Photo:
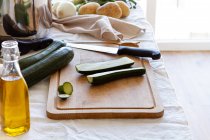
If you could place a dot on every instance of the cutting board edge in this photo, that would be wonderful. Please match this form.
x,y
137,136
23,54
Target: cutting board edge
x,y
137,114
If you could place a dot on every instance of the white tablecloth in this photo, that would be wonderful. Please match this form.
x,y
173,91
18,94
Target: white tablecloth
x,y
172,126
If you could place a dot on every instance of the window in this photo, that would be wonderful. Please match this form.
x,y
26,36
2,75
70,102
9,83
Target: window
x,y
180,23
183,19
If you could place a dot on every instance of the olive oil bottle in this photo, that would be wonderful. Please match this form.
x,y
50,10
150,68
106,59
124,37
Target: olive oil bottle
x,y
15,116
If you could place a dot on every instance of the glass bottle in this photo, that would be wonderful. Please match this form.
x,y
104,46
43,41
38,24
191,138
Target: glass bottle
x,y
14,96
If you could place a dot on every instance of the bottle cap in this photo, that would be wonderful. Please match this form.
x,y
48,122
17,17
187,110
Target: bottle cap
x,y
10,50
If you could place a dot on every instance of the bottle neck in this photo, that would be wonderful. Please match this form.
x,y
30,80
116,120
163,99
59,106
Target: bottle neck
x,y
10,50
11,68
10,54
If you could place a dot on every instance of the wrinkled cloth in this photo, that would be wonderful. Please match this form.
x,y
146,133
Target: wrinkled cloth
x,y
172,126
98,26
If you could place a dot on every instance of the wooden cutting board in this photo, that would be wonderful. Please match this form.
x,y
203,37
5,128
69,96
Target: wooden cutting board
x,y
133,97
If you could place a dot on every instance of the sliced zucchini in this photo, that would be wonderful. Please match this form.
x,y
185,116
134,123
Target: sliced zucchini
x,y
63,96
66,88
60,89
104,77
91,68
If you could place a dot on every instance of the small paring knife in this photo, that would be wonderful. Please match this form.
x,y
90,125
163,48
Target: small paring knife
x,y
154,54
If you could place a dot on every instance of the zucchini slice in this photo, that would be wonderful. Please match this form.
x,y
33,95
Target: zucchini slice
x,y
63,96
66,88
91,68
104,77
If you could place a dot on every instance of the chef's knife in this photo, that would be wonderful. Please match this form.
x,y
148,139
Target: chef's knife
x,y
120,50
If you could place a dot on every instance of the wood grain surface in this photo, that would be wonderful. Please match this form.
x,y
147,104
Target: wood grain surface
x,y
132,97
189,73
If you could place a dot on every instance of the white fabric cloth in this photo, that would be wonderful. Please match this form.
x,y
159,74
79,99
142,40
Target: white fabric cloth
x,y
136,18
98,26
172,126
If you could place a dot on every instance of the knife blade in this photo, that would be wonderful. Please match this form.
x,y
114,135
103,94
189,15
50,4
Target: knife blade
x,y
154,54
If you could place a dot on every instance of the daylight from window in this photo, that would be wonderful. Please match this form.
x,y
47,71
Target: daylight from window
x,y
183,20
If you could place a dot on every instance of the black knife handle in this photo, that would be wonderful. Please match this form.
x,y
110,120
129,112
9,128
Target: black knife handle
x,y
139,52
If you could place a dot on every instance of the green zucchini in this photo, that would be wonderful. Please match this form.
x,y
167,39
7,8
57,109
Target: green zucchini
x,y
66,88
47,66
63,96
25,62
91,68
103,77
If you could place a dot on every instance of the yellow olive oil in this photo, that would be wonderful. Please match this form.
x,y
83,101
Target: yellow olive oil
x,y
14,105
1,101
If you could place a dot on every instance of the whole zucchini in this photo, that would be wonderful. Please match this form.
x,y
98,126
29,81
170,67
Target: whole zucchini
x,y
25,62
50,64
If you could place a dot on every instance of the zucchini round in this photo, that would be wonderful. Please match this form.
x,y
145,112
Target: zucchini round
x,y
66,88
47,66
